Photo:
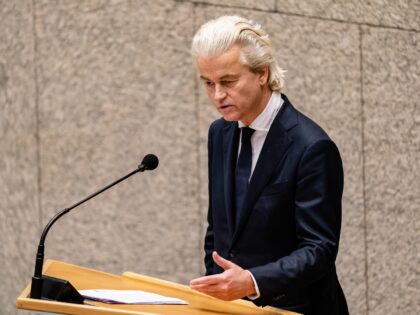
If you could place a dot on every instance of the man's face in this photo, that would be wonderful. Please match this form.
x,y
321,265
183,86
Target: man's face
x,y
235,91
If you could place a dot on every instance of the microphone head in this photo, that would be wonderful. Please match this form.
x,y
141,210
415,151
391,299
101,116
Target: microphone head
x,y
150,162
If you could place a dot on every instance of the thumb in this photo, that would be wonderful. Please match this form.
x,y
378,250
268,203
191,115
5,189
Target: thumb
x,y
225,264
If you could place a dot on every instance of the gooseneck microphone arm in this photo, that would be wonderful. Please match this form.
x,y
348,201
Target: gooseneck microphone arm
x,y
149,162
40,258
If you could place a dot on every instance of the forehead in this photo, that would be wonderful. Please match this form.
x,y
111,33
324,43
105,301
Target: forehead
x,y
225,64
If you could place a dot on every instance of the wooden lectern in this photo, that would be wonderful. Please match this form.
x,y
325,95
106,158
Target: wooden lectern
x,y
84,278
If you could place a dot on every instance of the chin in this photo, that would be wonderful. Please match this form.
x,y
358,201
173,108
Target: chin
x,y
228,118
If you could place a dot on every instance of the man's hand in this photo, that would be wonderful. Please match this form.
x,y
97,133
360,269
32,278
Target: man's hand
x,y
234,283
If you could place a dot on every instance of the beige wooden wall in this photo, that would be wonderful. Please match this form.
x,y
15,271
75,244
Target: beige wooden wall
x,y
89,87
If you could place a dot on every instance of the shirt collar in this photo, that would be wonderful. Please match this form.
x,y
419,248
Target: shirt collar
x,y
265,118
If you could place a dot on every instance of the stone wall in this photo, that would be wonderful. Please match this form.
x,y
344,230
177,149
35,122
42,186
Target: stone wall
x,y
89,87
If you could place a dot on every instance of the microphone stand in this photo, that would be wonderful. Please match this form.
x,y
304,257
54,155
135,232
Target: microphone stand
x,y
49,288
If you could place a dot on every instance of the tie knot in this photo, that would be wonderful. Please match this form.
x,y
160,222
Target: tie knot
x,y
247,133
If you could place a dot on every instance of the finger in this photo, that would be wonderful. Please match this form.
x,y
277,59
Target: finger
x,y
204,286
208,288
225,264
212,289
213,279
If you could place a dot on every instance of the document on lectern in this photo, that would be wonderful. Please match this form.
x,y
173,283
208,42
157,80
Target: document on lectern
x,y
128,297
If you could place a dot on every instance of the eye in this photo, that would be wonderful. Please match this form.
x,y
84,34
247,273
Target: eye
x,y
208,83
228,83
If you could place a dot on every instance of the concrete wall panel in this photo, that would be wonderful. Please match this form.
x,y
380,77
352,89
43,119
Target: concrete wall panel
x,y
266,5
401,14
391,73
19,213
115,84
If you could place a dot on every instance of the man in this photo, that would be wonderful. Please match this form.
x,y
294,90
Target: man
x,y
275,181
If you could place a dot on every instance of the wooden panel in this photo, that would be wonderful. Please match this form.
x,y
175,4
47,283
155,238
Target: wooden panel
x,y
84,278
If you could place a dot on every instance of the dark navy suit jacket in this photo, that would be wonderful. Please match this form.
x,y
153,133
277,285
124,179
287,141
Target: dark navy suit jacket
x,y
289,230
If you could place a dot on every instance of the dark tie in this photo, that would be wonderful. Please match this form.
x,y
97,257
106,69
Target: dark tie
x,y
243,170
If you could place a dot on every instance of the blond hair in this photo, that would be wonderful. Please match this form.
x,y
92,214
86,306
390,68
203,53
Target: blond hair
x,y
219,35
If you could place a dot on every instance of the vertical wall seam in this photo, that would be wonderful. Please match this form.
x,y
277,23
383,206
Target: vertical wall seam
x,y
365,231
37,119
199,160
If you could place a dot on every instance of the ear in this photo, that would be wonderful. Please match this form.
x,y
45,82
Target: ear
x,y
263,74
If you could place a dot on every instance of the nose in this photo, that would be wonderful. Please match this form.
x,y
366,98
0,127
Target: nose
x,y
219,93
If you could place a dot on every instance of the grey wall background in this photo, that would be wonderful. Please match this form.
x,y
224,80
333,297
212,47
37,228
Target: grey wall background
x,y
88,87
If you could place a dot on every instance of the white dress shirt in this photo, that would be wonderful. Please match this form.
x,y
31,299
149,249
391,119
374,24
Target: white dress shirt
x,y
261,125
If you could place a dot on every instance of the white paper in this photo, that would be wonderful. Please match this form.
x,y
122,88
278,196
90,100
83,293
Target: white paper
x,y
128,297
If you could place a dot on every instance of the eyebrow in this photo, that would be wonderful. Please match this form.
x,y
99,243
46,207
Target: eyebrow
x,y
226,76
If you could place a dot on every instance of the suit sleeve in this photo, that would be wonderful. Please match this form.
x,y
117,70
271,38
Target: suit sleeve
x,y
317,204
209,237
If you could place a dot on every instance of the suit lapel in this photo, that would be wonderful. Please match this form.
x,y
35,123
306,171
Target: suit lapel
x,y
230,145
272,152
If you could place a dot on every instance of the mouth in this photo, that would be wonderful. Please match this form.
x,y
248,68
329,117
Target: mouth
x,y
222,107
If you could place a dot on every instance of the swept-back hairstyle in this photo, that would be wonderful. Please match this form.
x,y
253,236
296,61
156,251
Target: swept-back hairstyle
x,y
219,35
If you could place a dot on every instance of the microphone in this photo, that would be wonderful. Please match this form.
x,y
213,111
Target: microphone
x,y
49,288
150,162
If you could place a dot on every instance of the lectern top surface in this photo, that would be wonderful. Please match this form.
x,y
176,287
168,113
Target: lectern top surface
x,y
85,278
